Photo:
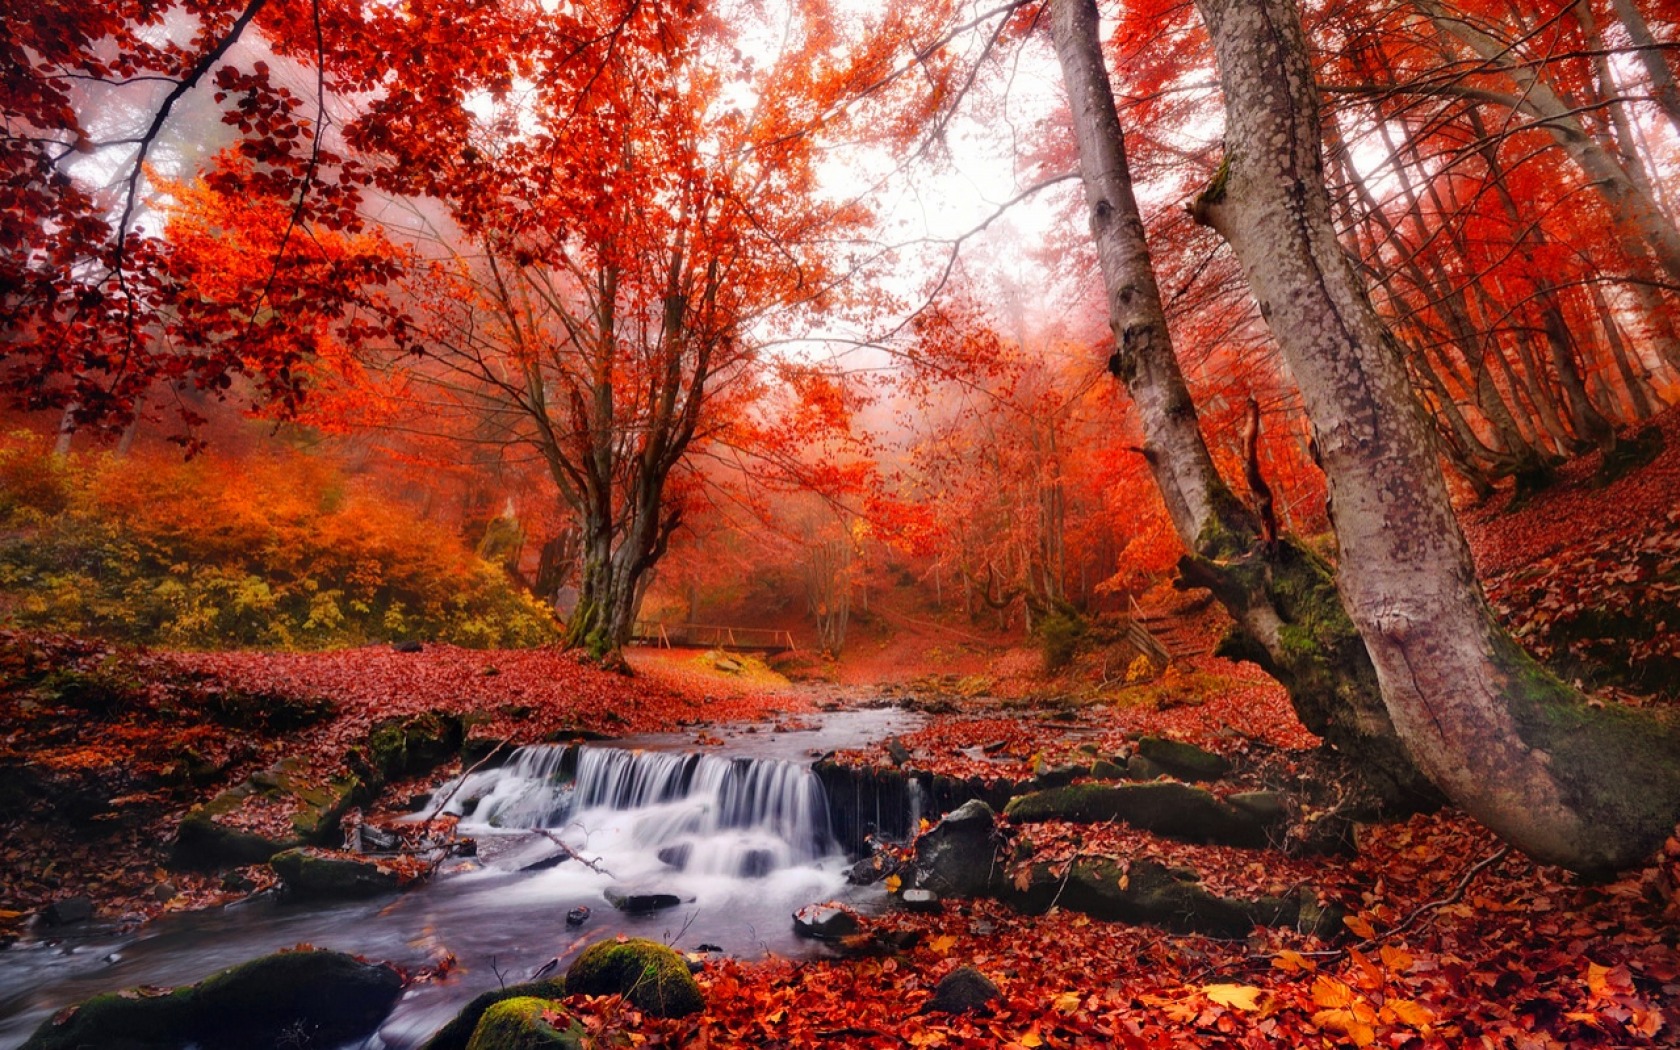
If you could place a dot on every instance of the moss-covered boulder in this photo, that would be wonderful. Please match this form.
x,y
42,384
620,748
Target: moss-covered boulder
x,y
459,1031
1165,807
650,975
312,998
134,1019
527,1023
212,836
1142,891
399,747
317,874
1183,760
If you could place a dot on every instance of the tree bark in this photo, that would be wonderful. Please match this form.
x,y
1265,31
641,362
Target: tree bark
x,y
1283,598
1593,790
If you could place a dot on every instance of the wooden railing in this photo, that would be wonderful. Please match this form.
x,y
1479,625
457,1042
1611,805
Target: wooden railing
x,y
706,636
1139,635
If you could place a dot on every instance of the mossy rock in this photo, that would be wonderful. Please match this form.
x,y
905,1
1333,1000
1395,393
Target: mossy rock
x,y
135,1019
650,975
399,747
313,998
459,1031
312,874
1183,760
328,998
522,1023
204,842
1144,891
1165,807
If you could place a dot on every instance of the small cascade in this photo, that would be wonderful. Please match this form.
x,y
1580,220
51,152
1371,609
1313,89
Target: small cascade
x,y
697,813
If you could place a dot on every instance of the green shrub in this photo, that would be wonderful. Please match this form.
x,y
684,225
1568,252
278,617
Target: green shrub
x,y
277,551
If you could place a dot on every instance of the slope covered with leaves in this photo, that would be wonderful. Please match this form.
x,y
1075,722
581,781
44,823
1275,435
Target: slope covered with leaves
x,y
1586,572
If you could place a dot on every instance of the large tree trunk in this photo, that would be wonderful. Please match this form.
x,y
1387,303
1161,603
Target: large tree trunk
x,y
1282,596
1590,789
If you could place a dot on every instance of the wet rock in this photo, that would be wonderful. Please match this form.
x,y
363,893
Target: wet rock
x,y
67,911
577,917
527,1023
870,870
920,900
653,977
1183,760
639,903
962,990
676,856
1162,806
315,874
373,839
824,922
324,998
755,864
896,751
459,1031
546,863
958,856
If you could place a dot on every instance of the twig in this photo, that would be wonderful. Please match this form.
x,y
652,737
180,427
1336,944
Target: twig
x,y
672,939
1452,898
437,808
592,865
1336,954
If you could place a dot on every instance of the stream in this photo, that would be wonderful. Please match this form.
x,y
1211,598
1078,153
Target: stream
x,y
738,830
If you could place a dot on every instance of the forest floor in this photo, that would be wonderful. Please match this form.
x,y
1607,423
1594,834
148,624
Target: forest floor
x,y
1449,939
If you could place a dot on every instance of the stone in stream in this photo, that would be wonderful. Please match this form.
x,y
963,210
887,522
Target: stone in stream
x,y
69,910
825,922
755,864
458,1032
958,856
315,874
634,902
962,990
676,856
330,996
528,1023
577,916
653,977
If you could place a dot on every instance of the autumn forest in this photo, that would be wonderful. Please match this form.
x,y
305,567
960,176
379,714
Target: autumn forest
x,y
803,523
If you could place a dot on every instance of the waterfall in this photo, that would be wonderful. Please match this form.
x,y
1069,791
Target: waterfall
x,y
698,813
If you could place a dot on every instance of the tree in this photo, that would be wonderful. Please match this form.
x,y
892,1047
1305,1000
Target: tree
x,y
1282,595
1589,788
618,201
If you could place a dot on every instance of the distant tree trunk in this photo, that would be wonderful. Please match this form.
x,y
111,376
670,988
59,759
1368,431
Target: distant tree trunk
x,y
1593,790
1284,599
1652,57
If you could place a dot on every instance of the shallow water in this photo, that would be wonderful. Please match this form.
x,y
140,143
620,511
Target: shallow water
x,y
502,924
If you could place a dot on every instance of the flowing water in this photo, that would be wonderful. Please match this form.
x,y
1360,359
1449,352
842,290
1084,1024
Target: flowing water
x,y
739,833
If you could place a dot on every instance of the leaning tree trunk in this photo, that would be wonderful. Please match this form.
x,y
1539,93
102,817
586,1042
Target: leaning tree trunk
x,y
1593,790
1281,595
